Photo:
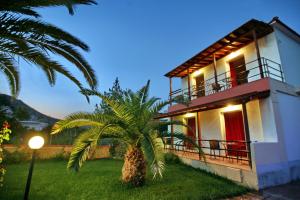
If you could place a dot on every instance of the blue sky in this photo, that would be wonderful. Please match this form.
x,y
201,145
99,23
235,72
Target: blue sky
x,y
137,40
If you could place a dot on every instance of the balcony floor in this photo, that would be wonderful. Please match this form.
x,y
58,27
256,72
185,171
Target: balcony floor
x,y
232,162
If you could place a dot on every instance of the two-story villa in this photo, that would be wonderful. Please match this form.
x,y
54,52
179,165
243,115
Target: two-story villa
x,y
245,105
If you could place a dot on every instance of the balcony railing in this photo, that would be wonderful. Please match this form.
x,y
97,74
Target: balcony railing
x,y
255,70
234,151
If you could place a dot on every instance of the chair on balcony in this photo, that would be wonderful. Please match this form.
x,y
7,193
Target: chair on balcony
x,y
214,146
216,87
243,77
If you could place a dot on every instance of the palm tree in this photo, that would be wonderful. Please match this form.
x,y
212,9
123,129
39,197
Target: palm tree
x,y
23,35
131,121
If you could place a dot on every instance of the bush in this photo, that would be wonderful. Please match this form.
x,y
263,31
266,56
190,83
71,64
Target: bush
x,y
15,157
61,156
117,149
171,158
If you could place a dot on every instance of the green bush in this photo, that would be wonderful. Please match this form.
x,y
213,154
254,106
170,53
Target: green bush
x,y
61,156
15,157
171,158
117,149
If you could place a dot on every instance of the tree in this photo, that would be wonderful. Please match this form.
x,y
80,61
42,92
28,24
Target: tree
x,y
25,36
132,121
4,135
115,93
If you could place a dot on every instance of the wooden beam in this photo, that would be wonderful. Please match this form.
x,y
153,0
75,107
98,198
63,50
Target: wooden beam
x,y
171,89
189,83
258,54
215,69
247,132
172,133
217,49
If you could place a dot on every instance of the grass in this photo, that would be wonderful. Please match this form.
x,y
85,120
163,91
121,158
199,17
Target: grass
x,y
101,180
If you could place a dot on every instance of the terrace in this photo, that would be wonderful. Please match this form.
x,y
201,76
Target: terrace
x,y
231,153
246,73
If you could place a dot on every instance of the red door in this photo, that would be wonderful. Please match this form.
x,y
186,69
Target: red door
x,y
191,131
237,70
234,127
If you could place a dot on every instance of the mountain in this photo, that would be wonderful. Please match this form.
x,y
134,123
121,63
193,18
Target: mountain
x,y
22,111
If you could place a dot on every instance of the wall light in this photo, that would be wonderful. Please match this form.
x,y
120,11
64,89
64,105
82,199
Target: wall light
x,y
197,73
231,108
234,54
188,115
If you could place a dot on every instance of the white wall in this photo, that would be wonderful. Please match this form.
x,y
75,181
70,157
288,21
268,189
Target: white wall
x,y
289,108
268,49
268,121
254,121
290,57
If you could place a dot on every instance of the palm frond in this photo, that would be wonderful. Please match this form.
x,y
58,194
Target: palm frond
x,y
79,119
26,6
83,145
7,65
153,149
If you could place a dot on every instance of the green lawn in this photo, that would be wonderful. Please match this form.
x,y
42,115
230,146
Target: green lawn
x,y
101,180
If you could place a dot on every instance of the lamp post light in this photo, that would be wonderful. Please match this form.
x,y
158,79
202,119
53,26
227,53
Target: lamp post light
x,y
36,142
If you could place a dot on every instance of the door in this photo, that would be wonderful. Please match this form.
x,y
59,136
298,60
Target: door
x,y
238,72
191,131
200,88
234,128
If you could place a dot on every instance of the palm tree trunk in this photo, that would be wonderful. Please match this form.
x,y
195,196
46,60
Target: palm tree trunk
x,y
134,168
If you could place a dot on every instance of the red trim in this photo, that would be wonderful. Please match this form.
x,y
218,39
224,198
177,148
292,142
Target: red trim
x,y
258,86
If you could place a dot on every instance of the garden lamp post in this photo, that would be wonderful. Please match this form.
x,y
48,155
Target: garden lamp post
x,y
36,142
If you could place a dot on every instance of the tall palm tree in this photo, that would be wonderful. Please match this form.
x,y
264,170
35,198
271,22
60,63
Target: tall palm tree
x,y
131,121
23,35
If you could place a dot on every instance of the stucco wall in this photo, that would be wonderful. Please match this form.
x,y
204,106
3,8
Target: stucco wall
x,y
268,121
268,49
290,57
289,108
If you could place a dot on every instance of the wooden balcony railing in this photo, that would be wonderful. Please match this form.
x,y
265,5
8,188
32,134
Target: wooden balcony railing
x,y
255,70
227,150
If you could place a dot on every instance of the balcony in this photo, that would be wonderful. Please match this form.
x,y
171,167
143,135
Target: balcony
x,y
252,71
231,153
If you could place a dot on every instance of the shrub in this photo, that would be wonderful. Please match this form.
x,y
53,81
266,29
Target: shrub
x,y
61,156
15,157
117,149
171,158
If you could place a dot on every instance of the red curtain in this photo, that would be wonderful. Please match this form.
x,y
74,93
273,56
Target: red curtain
x,y
234,128
191,131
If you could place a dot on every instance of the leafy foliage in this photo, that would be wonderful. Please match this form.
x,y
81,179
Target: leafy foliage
x,y
116,93
131,120
117,149
4,135
24,36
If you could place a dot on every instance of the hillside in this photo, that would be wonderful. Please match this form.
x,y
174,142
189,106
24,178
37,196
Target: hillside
x,y
22,111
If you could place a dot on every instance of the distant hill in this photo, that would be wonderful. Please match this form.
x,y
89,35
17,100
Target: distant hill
x,y
22,111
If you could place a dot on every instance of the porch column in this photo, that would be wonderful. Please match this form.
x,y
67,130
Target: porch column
x,y
198,127
215,69
247,132
172,134
189,83
258,54
170,95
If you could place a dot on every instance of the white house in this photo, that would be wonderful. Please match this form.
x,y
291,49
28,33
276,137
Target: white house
x,y
245,105
35,125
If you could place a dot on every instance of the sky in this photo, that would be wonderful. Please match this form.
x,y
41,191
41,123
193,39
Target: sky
x,y
138,40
